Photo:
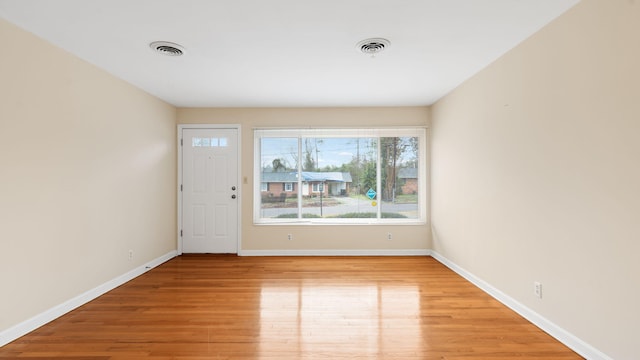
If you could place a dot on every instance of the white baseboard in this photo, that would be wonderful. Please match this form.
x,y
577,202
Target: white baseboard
x,y
35,322
570,340
386,252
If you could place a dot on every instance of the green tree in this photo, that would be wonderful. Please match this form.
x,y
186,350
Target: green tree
x,y
363,166
311,154
392,150
369,177
308,164
278,164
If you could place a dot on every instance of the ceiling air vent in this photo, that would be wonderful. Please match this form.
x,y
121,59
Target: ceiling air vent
x,y
167,48
373,46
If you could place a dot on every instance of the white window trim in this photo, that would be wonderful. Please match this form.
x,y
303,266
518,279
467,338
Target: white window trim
x,y
420,132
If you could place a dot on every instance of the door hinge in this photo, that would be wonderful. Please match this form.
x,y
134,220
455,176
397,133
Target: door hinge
x,y
180,233
180,187
180,142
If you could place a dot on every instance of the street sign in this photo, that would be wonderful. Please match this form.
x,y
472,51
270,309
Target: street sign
x,y
371,194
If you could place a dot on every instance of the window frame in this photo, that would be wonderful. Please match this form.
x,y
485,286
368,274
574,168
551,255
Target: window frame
x,y
299,133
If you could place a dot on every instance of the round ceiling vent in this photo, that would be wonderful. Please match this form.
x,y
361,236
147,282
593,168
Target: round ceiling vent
x,y
167,48
373,46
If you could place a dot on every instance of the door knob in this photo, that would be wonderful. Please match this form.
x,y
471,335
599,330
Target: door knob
x,y
233,196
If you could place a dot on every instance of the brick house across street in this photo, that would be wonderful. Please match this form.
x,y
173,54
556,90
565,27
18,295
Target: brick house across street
x,y
408,180
276,186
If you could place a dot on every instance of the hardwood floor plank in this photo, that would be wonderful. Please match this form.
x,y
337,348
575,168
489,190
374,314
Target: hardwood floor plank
x,y
227,307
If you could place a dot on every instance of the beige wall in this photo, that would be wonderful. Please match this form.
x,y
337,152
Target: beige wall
x,y
270,237
536,176
87,172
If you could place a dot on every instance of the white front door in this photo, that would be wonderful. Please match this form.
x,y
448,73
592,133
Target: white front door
x,y
210,190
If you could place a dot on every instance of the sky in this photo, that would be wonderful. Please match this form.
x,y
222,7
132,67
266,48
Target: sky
x,y
331,151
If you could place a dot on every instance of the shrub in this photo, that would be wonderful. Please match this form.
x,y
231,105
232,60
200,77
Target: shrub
x,y
369,215
295,216
355,215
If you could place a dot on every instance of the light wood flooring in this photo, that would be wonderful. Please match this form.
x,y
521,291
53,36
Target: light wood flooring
x,y
227,307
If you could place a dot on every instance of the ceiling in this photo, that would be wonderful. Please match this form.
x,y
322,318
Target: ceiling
x,y
287,53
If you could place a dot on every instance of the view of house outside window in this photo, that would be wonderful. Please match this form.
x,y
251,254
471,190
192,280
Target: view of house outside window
x,y
341,175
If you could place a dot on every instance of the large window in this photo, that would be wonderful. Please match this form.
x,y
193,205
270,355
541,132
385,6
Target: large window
x,y
340,176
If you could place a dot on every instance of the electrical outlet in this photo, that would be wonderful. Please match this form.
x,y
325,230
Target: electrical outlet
x,y
130,255
389,236
537,289
289,237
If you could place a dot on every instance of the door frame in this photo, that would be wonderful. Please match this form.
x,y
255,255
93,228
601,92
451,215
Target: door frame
x,y
236,127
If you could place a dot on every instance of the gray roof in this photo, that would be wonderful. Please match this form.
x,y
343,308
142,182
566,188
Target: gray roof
x,y
408,173
279,177
307,176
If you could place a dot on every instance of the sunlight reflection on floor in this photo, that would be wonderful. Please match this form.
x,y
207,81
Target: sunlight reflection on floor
x,y
310,317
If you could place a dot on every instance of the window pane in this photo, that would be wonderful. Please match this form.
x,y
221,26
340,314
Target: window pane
x,y
279,167
333,175
198,142
337,172
399,167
